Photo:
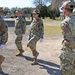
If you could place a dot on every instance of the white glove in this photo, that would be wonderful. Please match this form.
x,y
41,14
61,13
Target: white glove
x,y
2,46
28,36
23,35
41,39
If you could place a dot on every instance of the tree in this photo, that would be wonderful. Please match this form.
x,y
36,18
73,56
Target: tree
x,y
6,10
43,11
56,3
40,3
13,10
37,2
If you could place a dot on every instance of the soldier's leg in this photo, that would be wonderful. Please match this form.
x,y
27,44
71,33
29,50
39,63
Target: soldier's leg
x,y
18,43
35,54
66,67
32,45
1,61
4,38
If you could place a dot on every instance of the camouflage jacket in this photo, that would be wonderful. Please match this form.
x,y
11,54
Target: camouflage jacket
x,y
20,26
3,31
37,28
68,28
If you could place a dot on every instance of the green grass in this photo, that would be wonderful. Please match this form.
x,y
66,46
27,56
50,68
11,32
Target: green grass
x,y
58,19
51,20
49,29
52,30
47,20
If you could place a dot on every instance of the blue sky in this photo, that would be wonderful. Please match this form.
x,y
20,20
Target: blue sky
x,y
16,3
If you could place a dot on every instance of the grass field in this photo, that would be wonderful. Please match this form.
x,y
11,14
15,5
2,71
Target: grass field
x,y
51,20
52,30
47,29
46,19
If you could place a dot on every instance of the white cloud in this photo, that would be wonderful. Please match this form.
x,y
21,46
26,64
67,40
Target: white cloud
x,y
17,3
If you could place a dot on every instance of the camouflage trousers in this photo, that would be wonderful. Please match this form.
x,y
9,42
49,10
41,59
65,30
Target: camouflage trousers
x,y
18,42
1,61
32,44
67,61
4,38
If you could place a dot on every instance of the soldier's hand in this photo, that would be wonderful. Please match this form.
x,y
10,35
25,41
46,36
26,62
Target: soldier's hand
x,y
2,46
23,35
41,39
28,37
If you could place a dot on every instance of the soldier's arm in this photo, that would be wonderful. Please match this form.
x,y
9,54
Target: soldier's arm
x,y
4,33
23,26
66,31
4,27
41,29
63,30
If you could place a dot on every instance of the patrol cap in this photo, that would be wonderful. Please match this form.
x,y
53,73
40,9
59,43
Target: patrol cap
x,y
68,4
36,11
1,9
18,13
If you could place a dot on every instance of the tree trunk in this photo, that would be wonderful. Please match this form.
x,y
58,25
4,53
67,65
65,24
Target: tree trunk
x,y
55,4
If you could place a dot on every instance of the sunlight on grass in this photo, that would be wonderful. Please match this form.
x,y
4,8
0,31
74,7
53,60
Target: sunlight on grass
x,y
51,20
52,30
47,20
49,30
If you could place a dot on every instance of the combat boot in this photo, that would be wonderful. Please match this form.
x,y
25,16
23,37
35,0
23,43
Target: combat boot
x,y
35,61
21,53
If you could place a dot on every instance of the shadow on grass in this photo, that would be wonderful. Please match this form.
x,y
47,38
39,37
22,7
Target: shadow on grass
x,y
2,73
51,67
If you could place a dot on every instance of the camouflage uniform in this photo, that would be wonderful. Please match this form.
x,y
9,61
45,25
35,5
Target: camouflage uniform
x,y
36,32
67,56
19,31
3,31
3,35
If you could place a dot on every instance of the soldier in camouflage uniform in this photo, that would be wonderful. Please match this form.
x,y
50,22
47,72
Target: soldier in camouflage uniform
x,y
36,33
3,35
67,56
19,31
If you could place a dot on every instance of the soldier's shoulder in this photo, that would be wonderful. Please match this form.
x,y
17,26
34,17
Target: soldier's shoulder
x,y
40,20
73,17
17,19
67,19
2,22
63,23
